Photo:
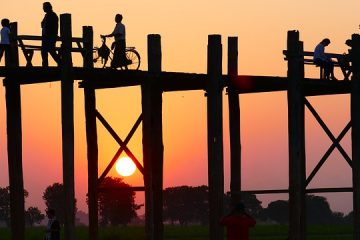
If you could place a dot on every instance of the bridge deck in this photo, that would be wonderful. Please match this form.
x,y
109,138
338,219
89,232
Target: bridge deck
x,y
171,81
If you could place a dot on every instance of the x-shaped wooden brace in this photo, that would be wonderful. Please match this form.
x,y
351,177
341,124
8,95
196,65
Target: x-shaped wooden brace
x,y
336,142
123,145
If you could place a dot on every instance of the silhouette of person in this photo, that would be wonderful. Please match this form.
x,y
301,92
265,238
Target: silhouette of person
x,y
5,38
53,226
322,60
119,44
238,223
50,26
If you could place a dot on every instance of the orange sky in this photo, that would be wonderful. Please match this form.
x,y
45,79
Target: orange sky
x,y
184,27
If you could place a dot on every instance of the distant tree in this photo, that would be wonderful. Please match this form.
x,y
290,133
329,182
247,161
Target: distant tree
x,y
348,219
252,204
186,204
318,210
116,203
277,211
54,199
33,215
5,204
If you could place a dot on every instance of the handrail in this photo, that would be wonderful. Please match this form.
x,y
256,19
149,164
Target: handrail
x,y
39,38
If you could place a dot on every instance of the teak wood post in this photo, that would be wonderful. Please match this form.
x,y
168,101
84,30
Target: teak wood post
x,y
67,120
215,136
296,114
234,122
153,149
91,136
14,144
355,134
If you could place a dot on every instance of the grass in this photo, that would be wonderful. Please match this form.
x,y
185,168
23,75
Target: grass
x,y
260,232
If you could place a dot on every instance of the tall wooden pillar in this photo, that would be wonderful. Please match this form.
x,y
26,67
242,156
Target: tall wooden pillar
x,y
297,220
153,149
67,120
14,145
91,136
215,136
234,122
355,134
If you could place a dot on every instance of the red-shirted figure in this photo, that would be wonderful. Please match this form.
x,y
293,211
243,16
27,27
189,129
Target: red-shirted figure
x,y
238,223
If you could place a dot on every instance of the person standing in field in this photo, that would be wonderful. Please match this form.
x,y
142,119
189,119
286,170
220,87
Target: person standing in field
x,y
50,28
5,38
53,226
119,44
238,223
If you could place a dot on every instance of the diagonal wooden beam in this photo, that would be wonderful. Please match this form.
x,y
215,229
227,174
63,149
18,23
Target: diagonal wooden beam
x,y
327,154
328,132
120,142
121,149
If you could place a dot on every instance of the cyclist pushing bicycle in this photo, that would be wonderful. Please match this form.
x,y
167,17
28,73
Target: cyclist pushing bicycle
x,y
119,59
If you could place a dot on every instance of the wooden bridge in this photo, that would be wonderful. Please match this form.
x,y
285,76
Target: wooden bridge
x,y
153,83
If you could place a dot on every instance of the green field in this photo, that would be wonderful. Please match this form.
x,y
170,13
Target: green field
x,y
260,232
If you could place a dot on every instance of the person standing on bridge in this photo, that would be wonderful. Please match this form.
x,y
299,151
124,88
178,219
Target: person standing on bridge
x,y
5,38
50,28
322,60
119,44
238,223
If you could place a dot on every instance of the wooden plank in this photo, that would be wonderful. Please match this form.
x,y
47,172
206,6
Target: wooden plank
x,y
296,125
67,120
14,146
215,137
355,133
234,122
153,150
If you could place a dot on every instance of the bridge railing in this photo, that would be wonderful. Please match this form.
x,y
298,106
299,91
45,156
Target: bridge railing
x,y
28,49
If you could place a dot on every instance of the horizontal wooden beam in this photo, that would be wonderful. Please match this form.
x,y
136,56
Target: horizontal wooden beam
x,y
103,78
310,190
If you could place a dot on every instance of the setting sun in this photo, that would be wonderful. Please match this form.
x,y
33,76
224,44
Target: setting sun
x,y
125,166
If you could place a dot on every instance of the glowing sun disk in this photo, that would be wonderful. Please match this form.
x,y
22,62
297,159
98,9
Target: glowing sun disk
x,y
125,166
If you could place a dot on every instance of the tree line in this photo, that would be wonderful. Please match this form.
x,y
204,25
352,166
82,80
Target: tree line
x,y
182,205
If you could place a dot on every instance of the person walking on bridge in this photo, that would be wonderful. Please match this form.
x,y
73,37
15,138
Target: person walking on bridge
x,y
50,28
119,45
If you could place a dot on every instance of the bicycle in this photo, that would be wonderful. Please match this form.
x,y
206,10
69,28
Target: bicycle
x,y
102,54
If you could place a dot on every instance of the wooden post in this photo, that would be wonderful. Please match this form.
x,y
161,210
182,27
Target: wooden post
x,y
12,57
91,137
153,149
355,134
67,119
14,144
297,220
234,122
215,136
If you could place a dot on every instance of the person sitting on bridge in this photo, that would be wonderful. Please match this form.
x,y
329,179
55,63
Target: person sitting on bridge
x,y
324,61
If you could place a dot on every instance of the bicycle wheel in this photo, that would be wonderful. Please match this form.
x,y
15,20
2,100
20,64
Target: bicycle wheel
x,y
133,56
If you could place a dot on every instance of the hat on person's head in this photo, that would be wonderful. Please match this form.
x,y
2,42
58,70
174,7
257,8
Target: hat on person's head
x,y
239,207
